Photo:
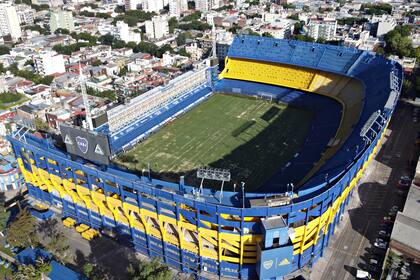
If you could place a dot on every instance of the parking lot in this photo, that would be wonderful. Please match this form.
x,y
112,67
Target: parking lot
x,y
361,238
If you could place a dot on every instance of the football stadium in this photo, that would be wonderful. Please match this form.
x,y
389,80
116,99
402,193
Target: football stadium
x,y
241,174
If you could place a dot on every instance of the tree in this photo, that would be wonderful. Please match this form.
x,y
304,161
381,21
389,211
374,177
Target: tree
x,y
173,23
376,9
184,52
32,272
22,231
398,42
4,214
294,16
123,71
56,242
94,272
40,125
195,25
267,34
146,47
192,17
153,270
165,48
380,51
62,31
304,38
181,39
4,50
298,27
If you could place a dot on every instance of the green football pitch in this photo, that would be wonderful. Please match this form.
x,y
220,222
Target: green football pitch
x,y
253,138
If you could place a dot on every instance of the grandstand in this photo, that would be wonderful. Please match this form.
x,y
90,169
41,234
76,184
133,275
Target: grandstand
x,y
265,232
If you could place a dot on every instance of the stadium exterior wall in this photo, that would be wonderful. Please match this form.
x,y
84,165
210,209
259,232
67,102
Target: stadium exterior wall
x,y
194,235
187,214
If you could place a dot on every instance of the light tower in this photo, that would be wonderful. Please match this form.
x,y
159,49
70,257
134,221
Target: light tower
x,y
88,122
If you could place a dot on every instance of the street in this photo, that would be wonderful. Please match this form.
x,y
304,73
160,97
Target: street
x,y
352,243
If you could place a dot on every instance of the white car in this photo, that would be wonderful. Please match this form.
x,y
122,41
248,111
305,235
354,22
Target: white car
x,y
361,274
380,244
383,233
394,208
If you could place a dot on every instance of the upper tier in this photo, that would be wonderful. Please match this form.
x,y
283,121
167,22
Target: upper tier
x,y
364,83
313,55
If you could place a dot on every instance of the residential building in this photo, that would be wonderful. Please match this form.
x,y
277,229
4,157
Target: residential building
x,y
132,4
280,29
195,51
157,27
9,22
153,5
10,176
25,14
48,63
207,5
51,3
382,25
61,19
322,28
124,33
176,7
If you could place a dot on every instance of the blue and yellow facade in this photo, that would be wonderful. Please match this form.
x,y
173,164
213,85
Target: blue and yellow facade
x,y
202,236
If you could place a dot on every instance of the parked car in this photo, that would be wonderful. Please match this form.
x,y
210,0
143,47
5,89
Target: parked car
x,y
405,181
361,274
387,220
395,208
380,245
383,233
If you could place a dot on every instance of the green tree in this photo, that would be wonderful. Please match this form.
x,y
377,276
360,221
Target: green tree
x,y
376,9
267,34
294,16
56,243
304,38
32,272
94,272
182,37
62,31
40,125
108,94
165,48
4,214
153,270
195,25
2,69
123,71
184,52
173,23
22,231
146,47
4,49
298,27
192,17
380,51
397,42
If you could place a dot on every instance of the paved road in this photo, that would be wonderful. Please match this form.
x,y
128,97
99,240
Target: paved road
x,y
375,195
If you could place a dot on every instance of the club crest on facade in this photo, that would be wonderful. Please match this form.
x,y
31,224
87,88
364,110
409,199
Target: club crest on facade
x,y
83,144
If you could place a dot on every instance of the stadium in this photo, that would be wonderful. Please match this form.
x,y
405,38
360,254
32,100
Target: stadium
x,y
242,174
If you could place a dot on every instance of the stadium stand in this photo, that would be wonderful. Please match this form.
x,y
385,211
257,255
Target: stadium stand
x,y
259,235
